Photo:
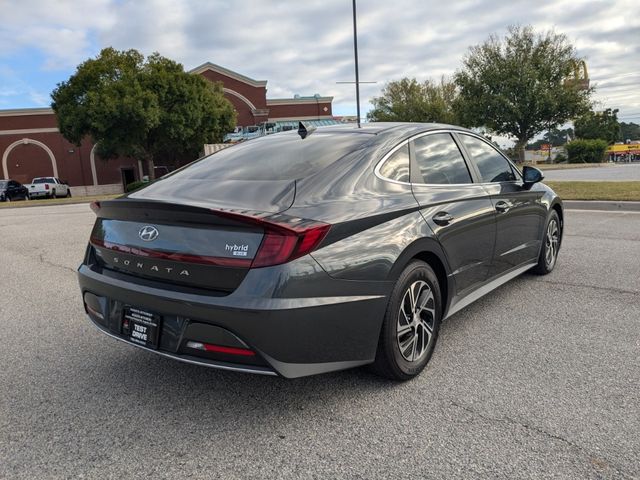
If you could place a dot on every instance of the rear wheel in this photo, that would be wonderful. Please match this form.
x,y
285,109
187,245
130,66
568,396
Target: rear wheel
x,y
550,246
411,324
53,194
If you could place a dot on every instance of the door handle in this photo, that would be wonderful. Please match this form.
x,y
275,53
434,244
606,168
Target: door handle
x,y
442,218
503,207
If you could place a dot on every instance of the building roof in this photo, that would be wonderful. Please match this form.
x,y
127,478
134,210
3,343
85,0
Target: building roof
x,y
298,100
26,111
228,73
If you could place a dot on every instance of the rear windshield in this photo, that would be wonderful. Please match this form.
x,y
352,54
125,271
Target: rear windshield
x,y
43,180
283,156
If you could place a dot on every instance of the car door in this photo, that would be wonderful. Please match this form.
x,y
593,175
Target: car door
x,y
12,190
458,210
520,213
61,187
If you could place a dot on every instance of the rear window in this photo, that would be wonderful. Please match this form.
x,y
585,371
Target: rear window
x,y
283,156
44,180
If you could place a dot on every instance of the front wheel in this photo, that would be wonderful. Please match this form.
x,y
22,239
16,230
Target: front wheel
x,y
411,324
550,245
69,193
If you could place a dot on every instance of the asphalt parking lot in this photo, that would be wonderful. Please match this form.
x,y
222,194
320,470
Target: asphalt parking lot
x,y
541,378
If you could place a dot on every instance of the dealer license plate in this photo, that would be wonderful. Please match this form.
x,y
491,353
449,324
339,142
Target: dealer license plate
x,y
141,326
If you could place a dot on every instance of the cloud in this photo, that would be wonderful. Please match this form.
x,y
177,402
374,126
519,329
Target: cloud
x,y
306,47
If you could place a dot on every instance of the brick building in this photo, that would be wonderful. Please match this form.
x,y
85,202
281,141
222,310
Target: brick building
x,y
31,145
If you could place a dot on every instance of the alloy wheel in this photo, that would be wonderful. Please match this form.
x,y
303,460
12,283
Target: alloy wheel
x,y
416,321
551,241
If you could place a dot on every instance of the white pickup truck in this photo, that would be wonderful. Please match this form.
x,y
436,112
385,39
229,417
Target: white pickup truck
x,y
49,187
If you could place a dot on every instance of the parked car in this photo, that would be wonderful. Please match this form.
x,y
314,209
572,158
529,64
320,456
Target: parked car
x,y
12,190
49,187
305,252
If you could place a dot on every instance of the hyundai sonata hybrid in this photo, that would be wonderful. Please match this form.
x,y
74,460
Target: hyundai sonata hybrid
x,y
310,251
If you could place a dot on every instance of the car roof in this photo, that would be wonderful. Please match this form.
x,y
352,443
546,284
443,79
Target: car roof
x,y
375,128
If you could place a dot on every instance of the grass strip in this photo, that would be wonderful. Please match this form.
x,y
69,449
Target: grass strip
x,y
620,191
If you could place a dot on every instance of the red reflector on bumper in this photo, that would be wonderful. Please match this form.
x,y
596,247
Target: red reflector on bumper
x,y
207,347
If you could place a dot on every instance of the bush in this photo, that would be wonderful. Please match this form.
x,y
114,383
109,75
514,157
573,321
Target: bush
x,y
586,151
560,158
134,186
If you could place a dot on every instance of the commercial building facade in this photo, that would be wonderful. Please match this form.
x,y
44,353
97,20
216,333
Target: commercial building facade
x,y
31,145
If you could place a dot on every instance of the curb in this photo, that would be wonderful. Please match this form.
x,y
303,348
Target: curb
x,y
601,205
27,204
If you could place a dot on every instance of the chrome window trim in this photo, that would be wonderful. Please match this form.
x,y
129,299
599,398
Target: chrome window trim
x,y
511,164
386,156
406,141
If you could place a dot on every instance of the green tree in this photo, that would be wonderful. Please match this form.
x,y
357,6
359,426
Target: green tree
x,y
517,85
598,125
140,108
407,100
629,131
555,137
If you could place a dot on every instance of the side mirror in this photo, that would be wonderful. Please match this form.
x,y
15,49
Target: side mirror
x,y
531,175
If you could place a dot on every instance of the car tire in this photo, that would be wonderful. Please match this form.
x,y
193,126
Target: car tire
x,y
53,194
68,193
550,245
411,324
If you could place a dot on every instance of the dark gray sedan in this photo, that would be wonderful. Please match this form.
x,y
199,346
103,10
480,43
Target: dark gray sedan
x,y
318,250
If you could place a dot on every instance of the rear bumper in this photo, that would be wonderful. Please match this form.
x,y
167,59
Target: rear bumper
x,y
187,358
292,336
46,193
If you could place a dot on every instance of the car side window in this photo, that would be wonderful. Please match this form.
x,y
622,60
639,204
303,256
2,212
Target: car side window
x,y
492,165
396,167
439,160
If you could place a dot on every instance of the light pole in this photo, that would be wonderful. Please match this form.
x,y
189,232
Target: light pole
x,y
355,54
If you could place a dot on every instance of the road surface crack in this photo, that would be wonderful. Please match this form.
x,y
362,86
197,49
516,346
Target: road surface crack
x,y
597,463
595,287
55,265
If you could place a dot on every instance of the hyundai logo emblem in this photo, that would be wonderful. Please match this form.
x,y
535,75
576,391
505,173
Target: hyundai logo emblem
x,y
148,233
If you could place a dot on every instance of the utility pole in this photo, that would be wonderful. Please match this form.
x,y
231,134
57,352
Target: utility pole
x,y
355,54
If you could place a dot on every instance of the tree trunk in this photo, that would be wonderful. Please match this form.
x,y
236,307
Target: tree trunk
x,y
520,145
151,169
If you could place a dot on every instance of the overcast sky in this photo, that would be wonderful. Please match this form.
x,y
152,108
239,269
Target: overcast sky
x,y
306,46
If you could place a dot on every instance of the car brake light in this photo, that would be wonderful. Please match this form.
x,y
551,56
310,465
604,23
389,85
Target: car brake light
x,y
46,186
285,238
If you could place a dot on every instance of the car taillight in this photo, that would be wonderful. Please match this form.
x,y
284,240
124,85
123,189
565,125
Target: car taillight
x,y
285,238
46,186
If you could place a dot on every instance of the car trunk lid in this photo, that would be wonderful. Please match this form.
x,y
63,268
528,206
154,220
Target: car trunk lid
x,y
177,234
